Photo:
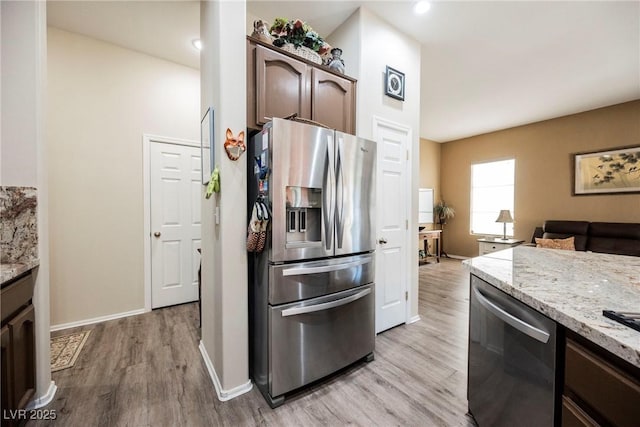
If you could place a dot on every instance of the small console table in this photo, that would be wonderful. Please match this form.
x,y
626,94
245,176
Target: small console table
x,y
434,235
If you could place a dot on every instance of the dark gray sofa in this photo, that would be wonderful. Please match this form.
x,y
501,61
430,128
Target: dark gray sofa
x,y
606,237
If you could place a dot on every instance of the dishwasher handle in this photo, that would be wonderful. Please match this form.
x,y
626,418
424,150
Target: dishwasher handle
x,y
519,324
325,305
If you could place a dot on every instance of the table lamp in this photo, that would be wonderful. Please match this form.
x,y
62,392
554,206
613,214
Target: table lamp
x,y
504,217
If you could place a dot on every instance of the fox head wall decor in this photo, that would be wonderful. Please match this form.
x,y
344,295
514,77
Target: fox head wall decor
x,y
234,146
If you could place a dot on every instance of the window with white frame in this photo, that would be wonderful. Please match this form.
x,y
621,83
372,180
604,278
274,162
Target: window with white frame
x,y
492,190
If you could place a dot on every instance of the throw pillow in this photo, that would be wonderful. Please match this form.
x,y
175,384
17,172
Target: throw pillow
x,y
566,244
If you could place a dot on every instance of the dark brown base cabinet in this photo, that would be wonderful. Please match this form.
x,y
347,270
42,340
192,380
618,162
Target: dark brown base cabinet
x,y
18,346
599,389
280,84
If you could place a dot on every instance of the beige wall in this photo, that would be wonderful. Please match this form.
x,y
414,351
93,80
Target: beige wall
x,y
543,181
101,100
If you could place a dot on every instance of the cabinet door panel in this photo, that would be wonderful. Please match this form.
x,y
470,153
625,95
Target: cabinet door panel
x,y
7,370
333,101
251,86
22,331
573,416
16,295
282,86
612,392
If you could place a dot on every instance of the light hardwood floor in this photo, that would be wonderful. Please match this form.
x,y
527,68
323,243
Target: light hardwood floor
x,y
146,370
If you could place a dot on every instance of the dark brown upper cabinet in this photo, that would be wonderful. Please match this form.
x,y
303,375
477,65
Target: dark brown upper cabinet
x,y
280,84
332,101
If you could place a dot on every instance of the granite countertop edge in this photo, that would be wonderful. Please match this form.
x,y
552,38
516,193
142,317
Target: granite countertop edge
x,y
604,332
9,271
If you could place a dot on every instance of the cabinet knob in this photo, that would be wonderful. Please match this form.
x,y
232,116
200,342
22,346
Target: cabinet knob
x,y
157,234
382,241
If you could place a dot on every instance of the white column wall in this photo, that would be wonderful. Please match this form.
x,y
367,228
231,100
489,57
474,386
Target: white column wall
x,y
24,50
225,333
19,93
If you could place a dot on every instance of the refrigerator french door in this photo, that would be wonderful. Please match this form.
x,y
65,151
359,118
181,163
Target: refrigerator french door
x,y
355,160
321,188
311,290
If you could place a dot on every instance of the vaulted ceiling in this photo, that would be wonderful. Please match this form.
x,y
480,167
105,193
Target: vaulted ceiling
x,y
485,65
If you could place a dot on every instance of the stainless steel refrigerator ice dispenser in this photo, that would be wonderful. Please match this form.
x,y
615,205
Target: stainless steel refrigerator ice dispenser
x,y
304,217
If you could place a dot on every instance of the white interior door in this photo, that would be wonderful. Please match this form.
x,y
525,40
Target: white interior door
x,y
175,181
392,224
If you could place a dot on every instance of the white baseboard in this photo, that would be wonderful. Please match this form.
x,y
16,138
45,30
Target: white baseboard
x,y
45,399
97,320
414,319
223,395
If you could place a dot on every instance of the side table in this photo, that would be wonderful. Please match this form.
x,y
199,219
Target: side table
x,y
486,246
434,235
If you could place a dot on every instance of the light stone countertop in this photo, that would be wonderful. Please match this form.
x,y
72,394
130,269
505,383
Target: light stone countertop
x,y
572,288
11,271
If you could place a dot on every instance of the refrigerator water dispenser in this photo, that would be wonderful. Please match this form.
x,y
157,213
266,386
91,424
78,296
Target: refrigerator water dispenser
x,y
304,215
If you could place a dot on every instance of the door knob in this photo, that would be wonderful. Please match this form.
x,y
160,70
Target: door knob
x,y
382,241
157,234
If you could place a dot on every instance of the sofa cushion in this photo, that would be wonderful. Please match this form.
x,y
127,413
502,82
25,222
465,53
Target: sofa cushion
x,y
614,238
566,244
563,229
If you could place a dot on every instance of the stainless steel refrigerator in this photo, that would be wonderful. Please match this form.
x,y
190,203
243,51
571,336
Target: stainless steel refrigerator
x,y
312,288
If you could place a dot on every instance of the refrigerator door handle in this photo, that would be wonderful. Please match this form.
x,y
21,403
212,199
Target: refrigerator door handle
x,y
324,269
510,319
328,196
325,305
339,196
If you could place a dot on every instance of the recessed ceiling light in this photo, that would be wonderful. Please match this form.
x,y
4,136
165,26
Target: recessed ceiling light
x,y
197,43
421,7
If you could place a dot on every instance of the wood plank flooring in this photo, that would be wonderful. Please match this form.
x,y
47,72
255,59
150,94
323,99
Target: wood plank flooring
x,y
146,370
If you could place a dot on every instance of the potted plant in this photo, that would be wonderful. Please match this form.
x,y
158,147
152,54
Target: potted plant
x,y
443,212
300,35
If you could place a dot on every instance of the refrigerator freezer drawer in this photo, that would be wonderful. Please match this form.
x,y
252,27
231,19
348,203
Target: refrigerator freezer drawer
x,y
299,281
314,338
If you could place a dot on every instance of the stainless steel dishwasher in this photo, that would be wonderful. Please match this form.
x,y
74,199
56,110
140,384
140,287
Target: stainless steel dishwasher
x,y
512,360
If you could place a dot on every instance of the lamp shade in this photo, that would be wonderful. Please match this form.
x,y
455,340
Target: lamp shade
x,y
505,216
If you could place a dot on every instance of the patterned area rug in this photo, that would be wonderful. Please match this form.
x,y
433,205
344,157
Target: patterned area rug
x,y
65,349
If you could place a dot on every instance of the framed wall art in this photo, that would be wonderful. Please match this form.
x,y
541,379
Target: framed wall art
x,y
207,152
394,84
613,171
